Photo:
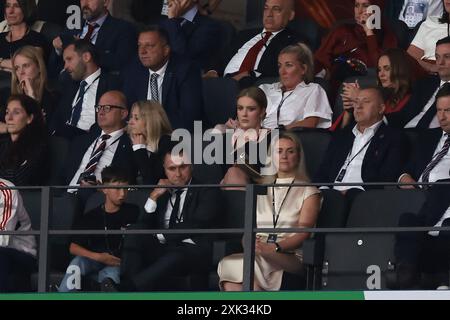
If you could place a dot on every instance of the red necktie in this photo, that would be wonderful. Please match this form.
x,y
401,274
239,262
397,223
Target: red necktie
x,y
91,28
250,59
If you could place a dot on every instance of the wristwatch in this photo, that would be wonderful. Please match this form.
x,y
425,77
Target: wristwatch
x,y
278,247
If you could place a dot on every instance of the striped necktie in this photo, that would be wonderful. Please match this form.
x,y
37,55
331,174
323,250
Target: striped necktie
x,y
154,87
95,158
436,160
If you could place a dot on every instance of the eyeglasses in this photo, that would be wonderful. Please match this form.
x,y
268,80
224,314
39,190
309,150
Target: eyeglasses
x,y
107,107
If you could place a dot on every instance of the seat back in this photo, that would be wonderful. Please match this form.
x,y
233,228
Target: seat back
x,y
59,147
349,259
219,95
315,143
309,30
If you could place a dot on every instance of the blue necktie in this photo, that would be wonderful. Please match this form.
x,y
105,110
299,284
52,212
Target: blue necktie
x,y
76,113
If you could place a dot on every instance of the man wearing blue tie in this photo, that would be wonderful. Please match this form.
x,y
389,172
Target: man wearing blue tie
x,y
76,114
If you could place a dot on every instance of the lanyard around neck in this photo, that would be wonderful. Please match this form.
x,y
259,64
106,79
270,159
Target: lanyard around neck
x,y
275,214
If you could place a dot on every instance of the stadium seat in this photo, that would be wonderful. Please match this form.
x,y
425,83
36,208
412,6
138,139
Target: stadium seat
x,y
219,96
333,214
58,152
309,30
348,258
65,209
315,143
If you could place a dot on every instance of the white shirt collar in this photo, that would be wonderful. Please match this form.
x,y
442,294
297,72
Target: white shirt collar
x,y
114,135
274,33
161,71
190,15
371,130
442,83
93,77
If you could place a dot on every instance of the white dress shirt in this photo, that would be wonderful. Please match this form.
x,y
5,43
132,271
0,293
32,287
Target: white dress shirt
x,y
94,36
151,206
235,63
87,118
106,159
353,169
306,100
435,122
161,72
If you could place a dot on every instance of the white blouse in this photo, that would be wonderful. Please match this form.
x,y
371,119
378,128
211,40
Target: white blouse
x,y
306,100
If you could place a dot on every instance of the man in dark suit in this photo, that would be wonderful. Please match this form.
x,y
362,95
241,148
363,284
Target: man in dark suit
x,y
76,114
254,54
429,252
149,260
115,39
420,111
191,34
89,154
167,78
369,152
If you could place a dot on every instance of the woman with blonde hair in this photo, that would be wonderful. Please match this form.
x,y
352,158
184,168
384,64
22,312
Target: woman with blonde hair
x,y
296,101
29,77
149,130
282,207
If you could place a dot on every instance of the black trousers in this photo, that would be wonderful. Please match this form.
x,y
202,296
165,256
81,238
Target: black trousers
x,y
146,263
15,270
427,253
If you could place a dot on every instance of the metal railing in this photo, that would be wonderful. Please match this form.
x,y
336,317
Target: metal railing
x,y
249,230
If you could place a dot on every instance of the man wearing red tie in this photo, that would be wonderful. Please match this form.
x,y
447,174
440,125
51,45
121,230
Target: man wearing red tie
x,y
254,54
115,39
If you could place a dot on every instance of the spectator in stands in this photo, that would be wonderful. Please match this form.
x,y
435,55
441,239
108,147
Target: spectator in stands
x,y
247,131
430,162
296,101
24,150
149,130
371,151
423,47
149,260
163,76
420,111
30,78
294,207
76,112
394,78
253,55
17,252
343,50
90,154
115,39
20,15
429,144
191,34
99,256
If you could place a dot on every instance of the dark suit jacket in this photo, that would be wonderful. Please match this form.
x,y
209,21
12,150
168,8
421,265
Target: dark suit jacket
x,y
421,93
116,42
63,113
122,157
182,97
268,65
198,40
423,152
200,211
382,162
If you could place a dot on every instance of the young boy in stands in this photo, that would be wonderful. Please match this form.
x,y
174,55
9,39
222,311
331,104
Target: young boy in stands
x,y
99,255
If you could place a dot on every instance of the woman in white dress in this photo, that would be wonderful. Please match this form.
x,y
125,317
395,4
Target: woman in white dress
x,y
282,207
